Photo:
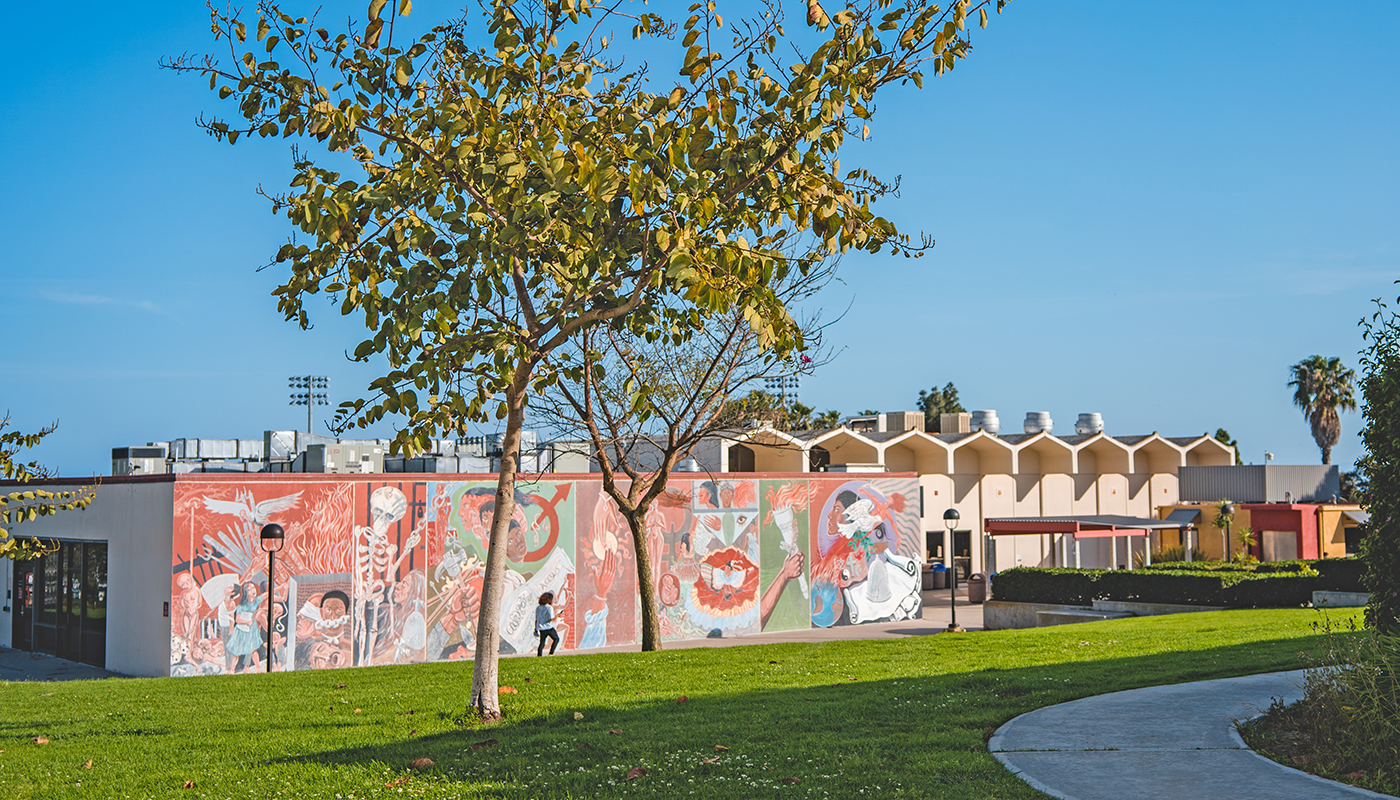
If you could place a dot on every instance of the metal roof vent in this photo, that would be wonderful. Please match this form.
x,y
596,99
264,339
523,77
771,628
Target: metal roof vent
x,y
986,421
1089,424
1037,421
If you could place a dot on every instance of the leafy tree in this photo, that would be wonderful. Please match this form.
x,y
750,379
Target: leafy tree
x,y
26,505
484,199
1222,521
1380,389
1321,386
642,404
1223,436
792,415
937,401
1356,484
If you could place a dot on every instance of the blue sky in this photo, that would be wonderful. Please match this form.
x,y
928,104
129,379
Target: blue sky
x,y
1147,209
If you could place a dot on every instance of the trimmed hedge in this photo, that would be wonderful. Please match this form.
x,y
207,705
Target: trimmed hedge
x,y
1340,574
1061,585
1229,588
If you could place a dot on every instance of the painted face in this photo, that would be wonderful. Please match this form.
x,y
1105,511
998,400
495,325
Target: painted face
x,y
333,609
324,656
833,519
726,497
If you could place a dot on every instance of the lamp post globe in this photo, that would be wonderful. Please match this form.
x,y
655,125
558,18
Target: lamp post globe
x,y
950,521
271,537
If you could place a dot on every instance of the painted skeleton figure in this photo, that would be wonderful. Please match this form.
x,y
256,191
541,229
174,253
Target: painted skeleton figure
x,y
375,566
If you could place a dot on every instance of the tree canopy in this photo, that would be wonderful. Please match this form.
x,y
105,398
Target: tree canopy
x,y
29,504
938,401
1380,548
484,194
1322,387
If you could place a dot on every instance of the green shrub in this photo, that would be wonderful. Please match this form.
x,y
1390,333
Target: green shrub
x,y
1201,566
1175,554
1380,547
1059,585
1227,588
1340,574
1297,565
1348,711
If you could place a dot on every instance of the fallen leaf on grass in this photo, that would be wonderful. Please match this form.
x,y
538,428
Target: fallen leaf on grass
x,y
682,699
396,782
1300,760
357,711
507,690
528,680
413,732
187,785
615,731
636,772
421,763
340,686
719,748
401,713
485,744
710,760
585,746
40,740
1355,775
792,780
88,765
578,715
47,694
772,662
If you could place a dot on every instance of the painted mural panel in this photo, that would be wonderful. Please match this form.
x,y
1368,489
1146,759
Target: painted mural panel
x,y
606,603
390,572
867,552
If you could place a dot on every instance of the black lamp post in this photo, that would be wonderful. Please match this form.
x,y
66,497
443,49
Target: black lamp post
x,y
1228,512
950,521
272,537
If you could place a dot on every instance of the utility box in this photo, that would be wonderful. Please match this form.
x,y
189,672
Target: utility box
x,y
138,461
961,422
340,459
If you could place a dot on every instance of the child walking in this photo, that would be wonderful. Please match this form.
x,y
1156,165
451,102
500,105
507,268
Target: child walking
x,y
544,623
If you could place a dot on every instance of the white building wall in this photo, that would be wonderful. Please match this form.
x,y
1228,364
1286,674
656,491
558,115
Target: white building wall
x,y
136,521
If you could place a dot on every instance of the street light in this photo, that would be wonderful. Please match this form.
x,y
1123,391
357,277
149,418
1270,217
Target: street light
x,y
1228,512
272,537
950,521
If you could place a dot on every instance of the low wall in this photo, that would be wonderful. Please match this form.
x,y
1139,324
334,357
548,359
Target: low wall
x,y
1003,615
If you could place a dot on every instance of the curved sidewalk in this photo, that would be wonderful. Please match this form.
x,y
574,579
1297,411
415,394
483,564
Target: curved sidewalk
x,y
1160,742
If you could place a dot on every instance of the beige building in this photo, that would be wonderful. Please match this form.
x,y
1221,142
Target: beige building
x,y
983,476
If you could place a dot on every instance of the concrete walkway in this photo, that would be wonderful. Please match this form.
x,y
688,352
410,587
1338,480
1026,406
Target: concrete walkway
x,y
1162,742
18,665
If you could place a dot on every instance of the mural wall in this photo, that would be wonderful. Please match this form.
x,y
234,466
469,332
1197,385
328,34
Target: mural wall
x,y
390,572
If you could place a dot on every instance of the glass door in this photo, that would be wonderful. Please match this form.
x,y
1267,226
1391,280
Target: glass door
x,y
22,619
65,592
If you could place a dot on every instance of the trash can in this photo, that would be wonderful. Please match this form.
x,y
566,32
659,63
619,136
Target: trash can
x,y
977,588
936,577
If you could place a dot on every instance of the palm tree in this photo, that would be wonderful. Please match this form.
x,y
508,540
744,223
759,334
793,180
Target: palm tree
x,y
1322,386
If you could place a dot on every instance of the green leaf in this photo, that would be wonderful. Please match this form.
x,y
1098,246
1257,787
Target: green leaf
x,y
403,71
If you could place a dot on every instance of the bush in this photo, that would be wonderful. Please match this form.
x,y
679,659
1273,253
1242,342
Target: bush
x,y
1380,549
1059,585
1347,716
1298,565
1200,566
1235,588
1340,574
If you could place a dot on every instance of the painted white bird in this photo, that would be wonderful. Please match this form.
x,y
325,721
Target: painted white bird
x,y
254,514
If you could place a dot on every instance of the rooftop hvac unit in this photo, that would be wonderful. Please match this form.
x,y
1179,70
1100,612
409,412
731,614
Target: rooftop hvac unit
x,y
1037,421
986,421
1089,424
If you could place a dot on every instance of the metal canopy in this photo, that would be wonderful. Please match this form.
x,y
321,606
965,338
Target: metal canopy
x,y
1184,516
1358,516
1102,525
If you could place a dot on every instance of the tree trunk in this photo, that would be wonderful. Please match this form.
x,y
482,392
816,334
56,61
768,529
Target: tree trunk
x,y
646,582
485,698
1327,454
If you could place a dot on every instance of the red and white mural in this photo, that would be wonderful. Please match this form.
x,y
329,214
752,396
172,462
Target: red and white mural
x,y
377,571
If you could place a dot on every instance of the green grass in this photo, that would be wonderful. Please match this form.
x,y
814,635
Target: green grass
x,y
906,718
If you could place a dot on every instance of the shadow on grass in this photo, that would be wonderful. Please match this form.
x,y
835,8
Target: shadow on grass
x,y
757,733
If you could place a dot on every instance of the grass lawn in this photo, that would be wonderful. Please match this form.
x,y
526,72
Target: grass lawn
x,y
906,718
